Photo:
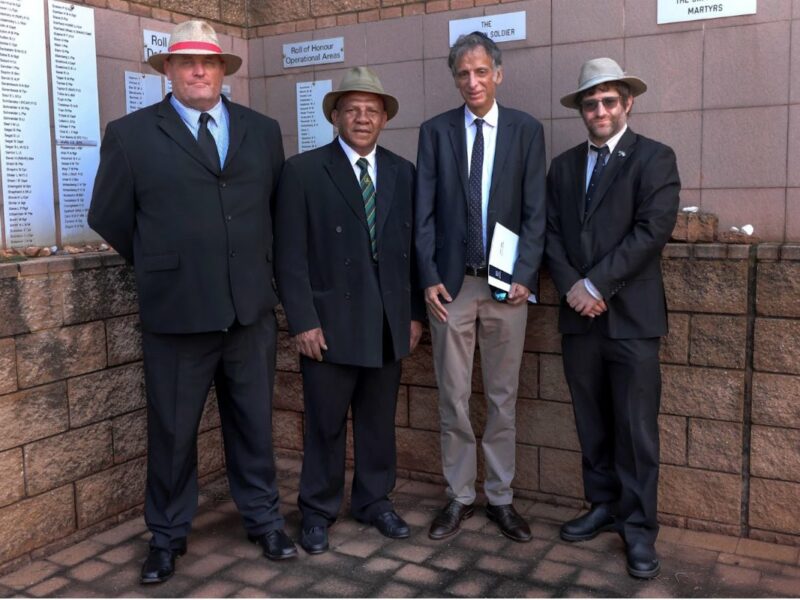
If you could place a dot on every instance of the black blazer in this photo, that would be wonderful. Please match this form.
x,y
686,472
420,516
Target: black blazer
x,y
618,244
200,240
323,260
517,196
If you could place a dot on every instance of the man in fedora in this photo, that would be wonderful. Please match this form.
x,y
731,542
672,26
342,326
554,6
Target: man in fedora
x,y
344,268
478,165
183,192
612,205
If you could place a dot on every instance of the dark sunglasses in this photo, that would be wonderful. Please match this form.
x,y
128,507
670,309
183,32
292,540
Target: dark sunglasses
x,y
609,103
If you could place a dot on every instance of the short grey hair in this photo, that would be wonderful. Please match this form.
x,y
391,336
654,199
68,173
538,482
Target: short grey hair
x,y
470,41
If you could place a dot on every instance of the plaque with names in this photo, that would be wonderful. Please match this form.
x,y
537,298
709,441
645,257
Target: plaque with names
x,y
313,129
25,145
73,64
141,90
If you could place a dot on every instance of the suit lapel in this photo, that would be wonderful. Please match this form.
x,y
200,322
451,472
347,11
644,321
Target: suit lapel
x,y
341,173
505,133
238,129
616,161
171,124
387,175
458,139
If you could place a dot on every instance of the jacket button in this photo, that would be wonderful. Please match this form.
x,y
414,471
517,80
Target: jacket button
x,y
347,262
347,295
338,229
222,184
228,217
233,254
405,255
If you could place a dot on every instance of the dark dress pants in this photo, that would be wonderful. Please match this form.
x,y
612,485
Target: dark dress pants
x,y
179,370
371,393
616,391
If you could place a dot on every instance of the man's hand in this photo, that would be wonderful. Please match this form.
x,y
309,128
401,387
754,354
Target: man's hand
x,y
311,343
416,334
435,306
583,302
518,294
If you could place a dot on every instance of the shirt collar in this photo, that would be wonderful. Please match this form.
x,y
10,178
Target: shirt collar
x,y
611,143
489,118
192,115
353,156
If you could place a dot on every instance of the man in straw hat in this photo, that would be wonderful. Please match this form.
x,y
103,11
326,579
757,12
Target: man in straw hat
x,y
613,202
183,192
344,268
478,166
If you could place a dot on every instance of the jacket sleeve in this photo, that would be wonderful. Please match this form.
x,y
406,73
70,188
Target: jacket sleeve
x,y
654,220
425,210
112,212
561,270
291,253
533,222
418,312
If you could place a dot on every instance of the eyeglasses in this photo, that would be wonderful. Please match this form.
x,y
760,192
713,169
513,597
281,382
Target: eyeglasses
x,y
609,103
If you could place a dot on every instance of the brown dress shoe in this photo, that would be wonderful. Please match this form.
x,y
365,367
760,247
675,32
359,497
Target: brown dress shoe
x,y
511,524
448,521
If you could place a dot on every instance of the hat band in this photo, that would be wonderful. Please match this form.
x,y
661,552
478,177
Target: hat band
x,y
194,46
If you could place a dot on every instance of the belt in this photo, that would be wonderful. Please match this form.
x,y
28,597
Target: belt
x,y
477,271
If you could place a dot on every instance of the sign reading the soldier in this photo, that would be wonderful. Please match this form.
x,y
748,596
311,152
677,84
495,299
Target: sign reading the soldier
x,y
315,52
677,11
500,28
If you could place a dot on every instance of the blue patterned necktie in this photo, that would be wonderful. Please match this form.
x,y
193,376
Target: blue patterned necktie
x,y
368,195
602,153
206,140
475,251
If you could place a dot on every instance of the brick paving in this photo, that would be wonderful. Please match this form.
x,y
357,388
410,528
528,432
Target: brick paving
x,y
477,562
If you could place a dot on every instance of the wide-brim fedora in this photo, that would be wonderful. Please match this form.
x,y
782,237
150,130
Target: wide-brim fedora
x,y
360,79
195,37
602,70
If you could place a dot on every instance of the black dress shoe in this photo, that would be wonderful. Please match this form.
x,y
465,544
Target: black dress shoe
x,y
511,524
448,521
391,525
599,519
642,560
275,544
160,564
314,540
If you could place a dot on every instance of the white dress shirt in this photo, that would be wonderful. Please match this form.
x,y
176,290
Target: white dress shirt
x,y
489,145
372,165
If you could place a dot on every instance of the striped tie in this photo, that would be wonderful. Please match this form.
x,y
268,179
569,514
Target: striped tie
x,y
368,195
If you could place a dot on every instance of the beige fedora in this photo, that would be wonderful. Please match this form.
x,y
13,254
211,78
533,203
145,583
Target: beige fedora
x,y
195,37
602,70
359,79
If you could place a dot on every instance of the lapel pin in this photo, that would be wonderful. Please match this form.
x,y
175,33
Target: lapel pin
x,y
621,153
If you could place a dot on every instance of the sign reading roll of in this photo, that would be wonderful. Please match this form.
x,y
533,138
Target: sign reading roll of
x,y
677,11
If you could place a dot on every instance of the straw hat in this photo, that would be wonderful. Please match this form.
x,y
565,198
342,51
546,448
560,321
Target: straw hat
x,y
602,70
195,37
359,79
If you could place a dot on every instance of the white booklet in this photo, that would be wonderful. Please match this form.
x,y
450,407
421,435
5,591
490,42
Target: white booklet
x,y
502,257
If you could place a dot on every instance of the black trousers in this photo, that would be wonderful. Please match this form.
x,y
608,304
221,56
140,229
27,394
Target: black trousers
x,y
371,393
616,394
179,370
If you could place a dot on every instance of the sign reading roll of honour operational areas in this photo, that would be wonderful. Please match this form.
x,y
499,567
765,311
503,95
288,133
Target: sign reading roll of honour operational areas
x,y
500,28
676,11
314,52
77,118
25,158
313,130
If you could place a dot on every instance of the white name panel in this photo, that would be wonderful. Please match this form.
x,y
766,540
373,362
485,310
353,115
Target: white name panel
x,y
25,150
500,28
313,129
314,52
676,11
141,90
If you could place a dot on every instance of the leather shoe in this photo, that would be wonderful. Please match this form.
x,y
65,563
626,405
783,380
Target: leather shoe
x,y
586,527
314,540
160,564
391,525
448,521
275,544
642,560
511,524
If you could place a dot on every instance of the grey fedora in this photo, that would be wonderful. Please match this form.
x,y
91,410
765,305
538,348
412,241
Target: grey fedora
x,y
195,37
602,70
359,79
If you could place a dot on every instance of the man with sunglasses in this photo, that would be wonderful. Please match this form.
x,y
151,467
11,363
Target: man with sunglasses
x,y
612,205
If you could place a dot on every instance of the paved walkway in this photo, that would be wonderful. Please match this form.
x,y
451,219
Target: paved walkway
x,y
478,562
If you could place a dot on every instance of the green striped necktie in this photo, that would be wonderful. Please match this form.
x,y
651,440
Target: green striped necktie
x,y
368,195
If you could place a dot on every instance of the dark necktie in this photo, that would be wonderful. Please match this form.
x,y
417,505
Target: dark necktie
x,y
602,153
368,195
206,140
475,251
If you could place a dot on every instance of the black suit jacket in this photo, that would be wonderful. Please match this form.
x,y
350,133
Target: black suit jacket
x,y
618,244
200,240
324,269
517,196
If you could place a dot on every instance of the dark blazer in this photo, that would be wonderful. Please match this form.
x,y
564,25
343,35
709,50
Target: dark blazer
x,y
324,269
517,196
200,240
618,244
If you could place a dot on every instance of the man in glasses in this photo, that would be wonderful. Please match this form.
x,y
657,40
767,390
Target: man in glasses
x,y
612,205
478,165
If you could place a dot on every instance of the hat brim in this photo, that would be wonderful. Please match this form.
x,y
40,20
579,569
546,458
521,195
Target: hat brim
x,y
636,85
232,62
390,103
